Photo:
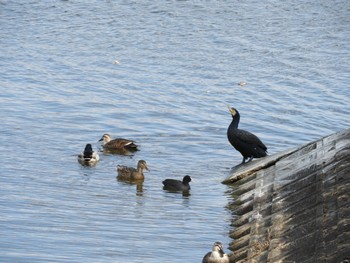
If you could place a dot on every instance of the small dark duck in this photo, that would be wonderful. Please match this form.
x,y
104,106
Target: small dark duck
x,y
88,157
249,145
177,185
117,144
126,173
217,255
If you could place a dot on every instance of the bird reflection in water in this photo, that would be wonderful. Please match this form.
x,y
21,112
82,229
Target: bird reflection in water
x,y
123,151
138,184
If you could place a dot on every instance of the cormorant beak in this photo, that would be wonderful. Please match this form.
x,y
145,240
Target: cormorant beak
x,y
232,111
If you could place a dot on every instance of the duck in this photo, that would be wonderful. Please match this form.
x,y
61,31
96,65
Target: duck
x,y
245,142
177,185
217,255
88,157
126,173
117,144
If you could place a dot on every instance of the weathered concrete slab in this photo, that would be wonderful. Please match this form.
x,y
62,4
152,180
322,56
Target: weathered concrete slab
x,y
293,206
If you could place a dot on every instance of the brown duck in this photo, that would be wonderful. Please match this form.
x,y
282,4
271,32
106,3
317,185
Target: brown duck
x,y
126,173
117,144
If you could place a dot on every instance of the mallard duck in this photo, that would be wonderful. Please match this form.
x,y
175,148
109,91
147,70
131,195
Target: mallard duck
x,y
117,144
177,185
130,173
249,145
88,157
217,255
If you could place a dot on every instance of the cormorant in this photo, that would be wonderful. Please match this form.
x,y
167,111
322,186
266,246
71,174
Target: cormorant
x,y
249,145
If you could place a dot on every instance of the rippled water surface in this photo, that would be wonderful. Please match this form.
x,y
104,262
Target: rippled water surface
x,y
179,66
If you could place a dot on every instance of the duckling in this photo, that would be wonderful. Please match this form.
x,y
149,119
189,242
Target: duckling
x,y
130,173
177,185
88,157
117,144
217,255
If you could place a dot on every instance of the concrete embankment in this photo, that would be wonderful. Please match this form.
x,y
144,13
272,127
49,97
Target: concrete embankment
x,y
293,206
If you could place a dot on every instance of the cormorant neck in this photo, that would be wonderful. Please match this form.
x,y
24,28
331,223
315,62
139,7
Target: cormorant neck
x,y
235,121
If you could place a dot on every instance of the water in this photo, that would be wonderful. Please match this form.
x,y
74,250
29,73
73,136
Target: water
x,y
179,65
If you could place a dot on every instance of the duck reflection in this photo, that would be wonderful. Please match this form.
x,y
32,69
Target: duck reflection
x,y
124,152
138,184
185,193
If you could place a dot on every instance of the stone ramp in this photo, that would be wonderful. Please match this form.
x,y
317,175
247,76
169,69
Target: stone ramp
x,y
293,206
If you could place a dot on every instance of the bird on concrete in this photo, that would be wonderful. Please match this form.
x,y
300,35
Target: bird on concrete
x,y
248,144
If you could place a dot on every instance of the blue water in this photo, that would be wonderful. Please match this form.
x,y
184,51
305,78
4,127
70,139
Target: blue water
x,y
180,63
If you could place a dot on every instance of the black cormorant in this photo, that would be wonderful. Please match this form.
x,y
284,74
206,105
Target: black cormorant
x,y
243,141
